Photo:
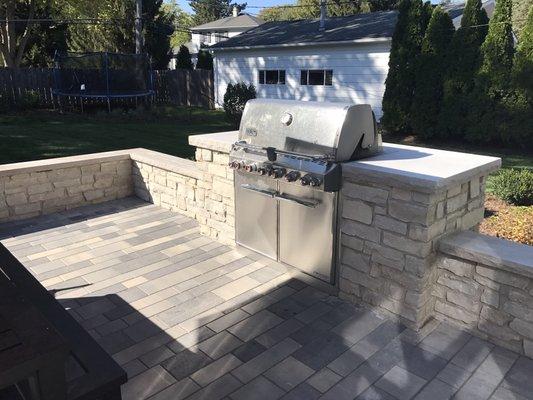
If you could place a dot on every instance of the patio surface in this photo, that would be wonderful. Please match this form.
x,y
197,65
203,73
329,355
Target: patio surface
x,y
188,318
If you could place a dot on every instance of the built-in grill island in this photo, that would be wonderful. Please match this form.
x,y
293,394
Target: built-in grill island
x,y
287,163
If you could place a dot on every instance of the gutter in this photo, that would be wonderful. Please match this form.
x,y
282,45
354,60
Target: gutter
x,y
305,44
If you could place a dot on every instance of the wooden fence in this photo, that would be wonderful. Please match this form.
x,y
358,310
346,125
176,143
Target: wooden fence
x,y
179,87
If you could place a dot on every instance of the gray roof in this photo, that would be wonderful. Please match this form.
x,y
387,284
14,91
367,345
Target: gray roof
x,y
228,23
456,11
359,27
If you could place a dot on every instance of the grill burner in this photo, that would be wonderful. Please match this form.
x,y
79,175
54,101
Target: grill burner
x,y
287,165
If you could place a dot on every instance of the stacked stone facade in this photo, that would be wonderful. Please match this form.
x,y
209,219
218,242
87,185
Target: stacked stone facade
x,y
388,240
490,302
55,188
204,191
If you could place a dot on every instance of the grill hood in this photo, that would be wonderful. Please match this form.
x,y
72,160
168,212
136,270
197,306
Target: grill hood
x,y
341,131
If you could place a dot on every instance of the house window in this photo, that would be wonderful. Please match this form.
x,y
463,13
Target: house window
x,y
205,37
321,77
272,77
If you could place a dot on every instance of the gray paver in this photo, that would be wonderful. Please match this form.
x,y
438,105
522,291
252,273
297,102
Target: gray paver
x,y
216,369
255,325
289,373
258,389
265,360
324,379
436,390
219,345
264,340
401,383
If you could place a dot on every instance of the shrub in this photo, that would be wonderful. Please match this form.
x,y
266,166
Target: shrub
x,y
235,99
464,62
29,100
183,59
515,186
205,60
430,74
405,49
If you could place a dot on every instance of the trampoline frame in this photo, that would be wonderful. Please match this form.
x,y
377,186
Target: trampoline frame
x,y
150,93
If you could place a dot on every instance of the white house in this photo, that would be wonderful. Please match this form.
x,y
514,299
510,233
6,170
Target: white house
x,y
341,59
345,61
217,31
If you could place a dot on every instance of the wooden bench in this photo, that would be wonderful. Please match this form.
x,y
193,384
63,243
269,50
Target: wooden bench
x,y
100,377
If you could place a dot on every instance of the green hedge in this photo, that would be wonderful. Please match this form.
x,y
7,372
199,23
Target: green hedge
x,y
514,186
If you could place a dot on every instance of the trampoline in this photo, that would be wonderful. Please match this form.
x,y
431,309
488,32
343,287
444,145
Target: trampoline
x,y
105,76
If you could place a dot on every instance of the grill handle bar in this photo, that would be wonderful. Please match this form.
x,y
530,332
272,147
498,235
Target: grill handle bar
x,y
272,152
300,202
263,192
275,195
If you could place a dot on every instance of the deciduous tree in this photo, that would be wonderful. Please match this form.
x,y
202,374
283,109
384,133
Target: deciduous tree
x,y
211,10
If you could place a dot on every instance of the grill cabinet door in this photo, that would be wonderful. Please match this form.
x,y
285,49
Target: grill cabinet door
x,y
256,221
307,230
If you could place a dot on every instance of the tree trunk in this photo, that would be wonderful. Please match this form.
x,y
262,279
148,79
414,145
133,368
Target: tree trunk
x,y
13,48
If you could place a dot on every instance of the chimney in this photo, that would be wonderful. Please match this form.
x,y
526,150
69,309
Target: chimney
x,y
235,11
322,25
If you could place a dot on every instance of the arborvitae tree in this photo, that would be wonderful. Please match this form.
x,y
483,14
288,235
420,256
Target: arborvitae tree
x,y
494,96
523,64
183,59
430,74
205,60
405,49
463,65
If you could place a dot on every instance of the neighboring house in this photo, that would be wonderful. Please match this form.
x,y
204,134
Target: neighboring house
x,y
211,33
346,61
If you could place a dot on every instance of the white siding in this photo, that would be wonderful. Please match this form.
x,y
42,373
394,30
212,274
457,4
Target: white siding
x,y
359,72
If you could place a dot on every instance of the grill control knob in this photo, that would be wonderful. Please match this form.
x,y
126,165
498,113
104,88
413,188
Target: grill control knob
x,y
278,172
235,165
292,176
310,180
261,171
250,168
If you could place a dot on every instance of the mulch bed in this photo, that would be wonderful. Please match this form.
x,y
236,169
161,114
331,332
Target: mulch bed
x,y
507,221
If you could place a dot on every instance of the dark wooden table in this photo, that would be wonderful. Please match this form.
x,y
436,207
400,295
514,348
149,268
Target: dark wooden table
x,y
101,377
32,352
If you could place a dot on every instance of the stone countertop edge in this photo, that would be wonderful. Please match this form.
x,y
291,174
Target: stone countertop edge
x,y
420,168
175,164
219,141
491,251
180,166
48,164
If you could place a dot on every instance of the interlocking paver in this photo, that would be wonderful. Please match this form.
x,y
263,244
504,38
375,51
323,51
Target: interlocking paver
x,y
216,369
289,373
144,283
401,383
258,389
257,365
253,326
219,345
324,379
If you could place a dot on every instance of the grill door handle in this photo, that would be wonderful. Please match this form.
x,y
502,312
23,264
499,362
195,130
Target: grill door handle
x,y
294,200
262,192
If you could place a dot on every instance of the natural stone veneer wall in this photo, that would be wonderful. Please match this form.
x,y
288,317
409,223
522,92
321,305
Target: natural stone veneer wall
x,y
43,187
388,240
485,284
202,190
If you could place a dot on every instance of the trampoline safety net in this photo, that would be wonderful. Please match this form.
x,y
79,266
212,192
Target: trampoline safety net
x,y
107,75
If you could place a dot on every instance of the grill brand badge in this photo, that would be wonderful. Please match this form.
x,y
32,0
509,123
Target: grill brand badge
x,y
251,132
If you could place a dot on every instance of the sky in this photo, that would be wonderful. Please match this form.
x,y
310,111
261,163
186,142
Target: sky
x,y
184,4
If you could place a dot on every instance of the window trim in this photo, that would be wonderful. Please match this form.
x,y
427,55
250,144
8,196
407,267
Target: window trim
x,y
262,77
326,73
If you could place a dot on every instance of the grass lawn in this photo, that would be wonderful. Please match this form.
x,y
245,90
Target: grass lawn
x,y
46,134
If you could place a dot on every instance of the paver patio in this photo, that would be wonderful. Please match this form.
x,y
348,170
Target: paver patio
x,y
188,318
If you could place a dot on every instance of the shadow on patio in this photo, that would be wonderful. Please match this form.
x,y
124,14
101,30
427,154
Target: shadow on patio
x,y
189,318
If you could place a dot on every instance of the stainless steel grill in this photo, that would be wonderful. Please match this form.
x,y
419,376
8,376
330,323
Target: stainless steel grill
x,y
287,164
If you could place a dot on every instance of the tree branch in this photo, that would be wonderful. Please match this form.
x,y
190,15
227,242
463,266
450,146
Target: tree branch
x,y
25,36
